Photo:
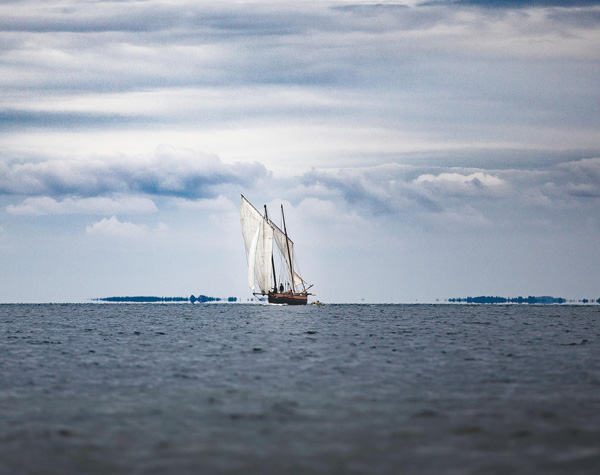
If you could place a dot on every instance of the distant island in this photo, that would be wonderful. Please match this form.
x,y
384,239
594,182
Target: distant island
x,y
545,300
204,299
151,299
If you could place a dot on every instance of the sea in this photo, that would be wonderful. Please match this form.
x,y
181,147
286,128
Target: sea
x,y
264,389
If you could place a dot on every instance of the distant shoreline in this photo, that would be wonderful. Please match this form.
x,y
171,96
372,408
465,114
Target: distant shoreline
x,y
152,299
145,299
544,300
486,300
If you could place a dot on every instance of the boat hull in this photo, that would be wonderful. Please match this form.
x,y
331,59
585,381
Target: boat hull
x,y
288,298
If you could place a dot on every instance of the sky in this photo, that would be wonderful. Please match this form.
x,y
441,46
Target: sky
x,y
422,150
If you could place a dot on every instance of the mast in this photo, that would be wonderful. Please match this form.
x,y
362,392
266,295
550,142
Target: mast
x,y
287,242
272,259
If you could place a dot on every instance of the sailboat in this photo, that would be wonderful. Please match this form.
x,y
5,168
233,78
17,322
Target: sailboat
x,y
259,232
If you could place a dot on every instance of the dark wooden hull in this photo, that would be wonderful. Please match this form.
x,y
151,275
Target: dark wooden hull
x,y
288,298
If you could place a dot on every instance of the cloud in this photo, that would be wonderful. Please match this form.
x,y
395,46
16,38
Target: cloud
x,y
456,184
212,206
329,216
152,45
516,3
167,172
579,180
11,119
587,169
46,205
369,188
204,18
582,190
113,228
413,75
396,189
578,18
426,196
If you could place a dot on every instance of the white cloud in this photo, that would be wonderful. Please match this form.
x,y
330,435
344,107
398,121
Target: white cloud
x,y
46,205
112,227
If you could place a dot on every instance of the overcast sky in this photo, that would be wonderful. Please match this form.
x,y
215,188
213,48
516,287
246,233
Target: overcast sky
x,y
422,150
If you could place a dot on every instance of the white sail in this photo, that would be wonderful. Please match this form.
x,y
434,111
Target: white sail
x,y
258,239
298,280
280,240
252,259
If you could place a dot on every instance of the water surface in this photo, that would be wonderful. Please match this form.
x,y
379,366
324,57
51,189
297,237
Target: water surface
x,y
181,388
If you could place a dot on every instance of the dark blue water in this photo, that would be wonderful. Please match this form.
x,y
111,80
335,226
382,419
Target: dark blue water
x,y
418,389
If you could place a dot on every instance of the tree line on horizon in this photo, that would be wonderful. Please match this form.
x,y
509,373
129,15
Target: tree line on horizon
x,y
142,298
518,300
152,299
205,299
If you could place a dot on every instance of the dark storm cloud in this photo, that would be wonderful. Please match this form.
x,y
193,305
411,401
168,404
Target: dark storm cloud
x,y
168,172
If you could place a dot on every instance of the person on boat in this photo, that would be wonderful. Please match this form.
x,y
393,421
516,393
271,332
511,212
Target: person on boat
x,y
281,287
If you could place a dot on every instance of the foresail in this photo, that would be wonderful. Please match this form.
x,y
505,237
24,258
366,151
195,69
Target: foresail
x,y
251,221
252,259
258,239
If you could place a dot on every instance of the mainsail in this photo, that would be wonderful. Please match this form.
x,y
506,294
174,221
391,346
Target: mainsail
x,y
259,232
282,245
